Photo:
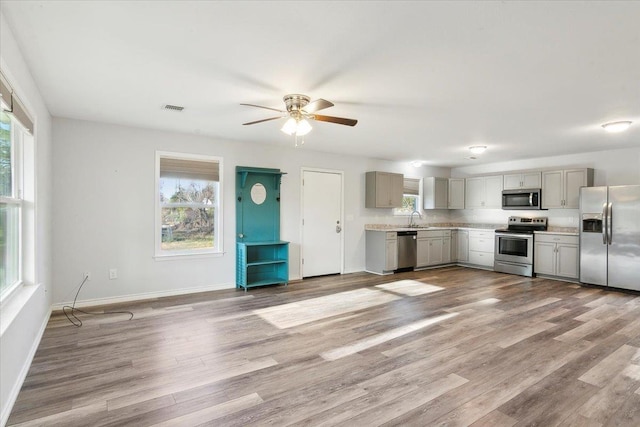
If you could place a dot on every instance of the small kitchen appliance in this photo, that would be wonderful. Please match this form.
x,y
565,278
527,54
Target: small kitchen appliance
x,y
524,199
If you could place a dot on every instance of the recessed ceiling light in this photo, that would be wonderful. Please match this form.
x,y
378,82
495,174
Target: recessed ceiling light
x,y
478,149
615,127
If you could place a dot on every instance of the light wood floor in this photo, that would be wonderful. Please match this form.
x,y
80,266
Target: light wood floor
x,y
451,346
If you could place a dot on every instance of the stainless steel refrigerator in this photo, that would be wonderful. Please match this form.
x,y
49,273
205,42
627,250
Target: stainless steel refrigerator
x,y
610,236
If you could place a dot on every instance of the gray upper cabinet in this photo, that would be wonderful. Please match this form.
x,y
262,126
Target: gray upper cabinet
x,y
436,193
516,181
483,192
561,188
384,190
456,193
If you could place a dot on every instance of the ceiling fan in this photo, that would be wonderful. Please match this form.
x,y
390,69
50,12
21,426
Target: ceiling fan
x,y
299,109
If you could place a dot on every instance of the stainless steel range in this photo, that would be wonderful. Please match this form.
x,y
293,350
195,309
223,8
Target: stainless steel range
x,y
514,245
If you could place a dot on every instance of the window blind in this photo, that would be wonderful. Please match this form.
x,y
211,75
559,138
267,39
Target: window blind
x,y
192,169
412,186
12,105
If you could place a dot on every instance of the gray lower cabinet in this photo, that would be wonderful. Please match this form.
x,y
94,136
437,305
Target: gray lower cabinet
x,y
433,248
381,251
556,255
461,252
481,248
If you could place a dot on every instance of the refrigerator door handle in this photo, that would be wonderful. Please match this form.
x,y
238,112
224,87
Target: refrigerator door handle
x,y
605,238
610,223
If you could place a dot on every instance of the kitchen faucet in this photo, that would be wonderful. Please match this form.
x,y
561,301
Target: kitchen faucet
x,y
411,224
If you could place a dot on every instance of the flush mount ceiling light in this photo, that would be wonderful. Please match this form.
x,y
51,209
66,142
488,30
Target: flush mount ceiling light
x,y
416,163
477,149
615,127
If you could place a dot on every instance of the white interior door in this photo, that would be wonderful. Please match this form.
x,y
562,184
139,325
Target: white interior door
x,y
321,222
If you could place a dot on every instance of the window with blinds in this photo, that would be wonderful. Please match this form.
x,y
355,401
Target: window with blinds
x,y
17,192
411,200
189,208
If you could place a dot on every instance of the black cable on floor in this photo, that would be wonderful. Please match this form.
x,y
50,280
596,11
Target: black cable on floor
x,y
72,309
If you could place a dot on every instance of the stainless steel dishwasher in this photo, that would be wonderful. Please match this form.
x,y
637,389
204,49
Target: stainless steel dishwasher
x,y
407,249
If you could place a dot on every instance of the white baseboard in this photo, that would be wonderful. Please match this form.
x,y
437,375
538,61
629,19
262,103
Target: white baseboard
x,y
15,390
143,296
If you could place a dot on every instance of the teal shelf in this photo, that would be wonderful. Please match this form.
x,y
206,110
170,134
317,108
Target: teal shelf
x,y
266,261
261,257
262,263
265,282
269,243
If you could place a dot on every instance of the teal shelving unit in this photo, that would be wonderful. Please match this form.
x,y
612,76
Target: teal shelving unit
x,y
261,257
262,263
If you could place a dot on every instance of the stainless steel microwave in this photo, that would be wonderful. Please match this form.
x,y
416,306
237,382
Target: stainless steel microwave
x,y
526,199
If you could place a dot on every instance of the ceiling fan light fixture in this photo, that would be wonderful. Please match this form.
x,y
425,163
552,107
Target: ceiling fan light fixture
x,y
289,126
299,127
477,149
615,127
303,127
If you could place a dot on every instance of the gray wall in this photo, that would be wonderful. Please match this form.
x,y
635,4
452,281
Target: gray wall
x,y
104,208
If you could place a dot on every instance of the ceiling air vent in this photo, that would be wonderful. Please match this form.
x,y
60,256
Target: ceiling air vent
x,y
172,107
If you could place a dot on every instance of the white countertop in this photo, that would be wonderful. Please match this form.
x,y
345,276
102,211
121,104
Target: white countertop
x,y
438,226
566,231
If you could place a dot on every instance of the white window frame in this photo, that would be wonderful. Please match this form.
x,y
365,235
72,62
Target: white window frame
x,y
218,248
16,199
399,212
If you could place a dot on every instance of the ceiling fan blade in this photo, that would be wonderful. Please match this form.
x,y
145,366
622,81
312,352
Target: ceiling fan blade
x,y
263,120
317,105
266,108
338,120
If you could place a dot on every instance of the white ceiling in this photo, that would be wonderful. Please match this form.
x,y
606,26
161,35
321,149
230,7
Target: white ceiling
x,y
424,79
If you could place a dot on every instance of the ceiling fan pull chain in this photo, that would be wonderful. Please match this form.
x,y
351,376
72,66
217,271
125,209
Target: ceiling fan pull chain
x,y
301,141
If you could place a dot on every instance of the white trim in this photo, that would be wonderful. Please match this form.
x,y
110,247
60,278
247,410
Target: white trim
x,y
145,296
14,303
10,200
321,170
15,390
159,254
7,294
192,255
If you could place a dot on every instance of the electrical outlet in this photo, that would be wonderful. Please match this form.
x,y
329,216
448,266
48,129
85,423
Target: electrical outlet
x,y
113,273
86,275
